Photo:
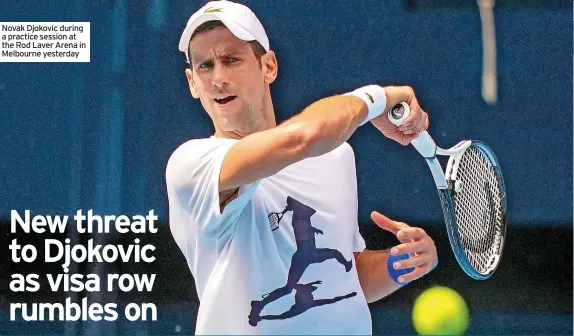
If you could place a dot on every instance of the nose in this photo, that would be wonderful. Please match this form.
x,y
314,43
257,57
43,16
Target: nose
x,y
220,76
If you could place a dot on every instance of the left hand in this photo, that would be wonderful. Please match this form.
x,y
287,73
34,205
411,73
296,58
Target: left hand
x,y
415,242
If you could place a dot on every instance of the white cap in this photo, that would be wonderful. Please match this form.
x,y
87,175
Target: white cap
x,y
239,19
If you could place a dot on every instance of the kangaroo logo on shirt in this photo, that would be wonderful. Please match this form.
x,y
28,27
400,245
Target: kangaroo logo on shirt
x,y
305,255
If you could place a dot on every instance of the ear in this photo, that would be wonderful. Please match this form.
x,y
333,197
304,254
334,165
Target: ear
x,y
191,82
270,66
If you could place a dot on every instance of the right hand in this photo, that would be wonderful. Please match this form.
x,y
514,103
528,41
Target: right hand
x,y
415,123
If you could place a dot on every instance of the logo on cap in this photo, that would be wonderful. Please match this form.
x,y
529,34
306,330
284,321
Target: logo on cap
x,y
213,10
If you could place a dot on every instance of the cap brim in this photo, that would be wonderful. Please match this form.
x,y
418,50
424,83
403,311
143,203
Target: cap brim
x,y
235,29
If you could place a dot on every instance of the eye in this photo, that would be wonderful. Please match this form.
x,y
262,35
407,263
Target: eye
x,y
206,65
231,60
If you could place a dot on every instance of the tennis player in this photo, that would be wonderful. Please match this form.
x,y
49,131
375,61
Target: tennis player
x,y
266,214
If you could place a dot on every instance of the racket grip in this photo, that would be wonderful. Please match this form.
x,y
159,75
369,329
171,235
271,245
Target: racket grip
x,y
424,143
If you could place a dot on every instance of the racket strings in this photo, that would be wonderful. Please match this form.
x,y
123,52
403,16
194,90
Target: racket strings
x,y
273,220
478,208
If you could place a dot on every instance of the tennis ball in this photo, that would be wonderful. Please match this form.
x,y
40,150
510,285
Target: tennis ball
x,y
440,311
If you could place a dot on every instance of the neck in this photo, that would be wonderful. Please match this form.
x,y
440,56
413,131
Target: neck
x,y
264,122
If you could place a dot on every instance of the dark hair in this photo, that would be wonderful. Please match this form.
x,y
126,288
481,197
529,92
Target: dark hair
x,y
257,48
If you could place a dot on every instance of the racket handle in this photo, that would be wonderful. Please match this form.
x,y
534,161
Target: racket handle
x,y
424,144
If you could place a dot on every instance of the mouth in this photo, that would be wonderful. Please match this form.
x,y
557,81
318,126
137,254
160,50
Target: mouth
x,y
224,100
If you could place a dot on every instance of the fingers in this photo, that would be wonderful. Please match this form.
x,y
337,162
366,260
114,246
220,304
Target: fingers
x,y
419,272
410,248
408,127
416,119
418,124
422,264
421,250
414,233
412,262
386,223
402,138
423,123
406,139
415,123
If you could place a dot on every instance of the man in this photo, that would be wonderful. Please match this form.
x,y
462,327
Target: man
x,y
266,215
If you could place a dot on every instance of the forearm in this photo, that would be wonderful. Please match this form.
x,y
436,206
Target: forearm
x,y
374,275
333,120
330,122
318,129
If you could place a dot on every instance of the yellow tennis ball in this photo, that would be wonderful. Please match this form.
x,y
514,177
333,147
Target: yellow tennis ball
x,y
440,311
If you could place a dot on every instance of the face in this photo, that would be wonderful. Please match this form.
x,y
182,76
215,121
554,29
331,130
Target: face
x,y
228,79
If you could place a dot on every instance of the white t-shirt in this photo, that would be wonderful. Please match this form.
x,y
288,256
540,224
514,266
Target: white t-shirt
x,y
253,277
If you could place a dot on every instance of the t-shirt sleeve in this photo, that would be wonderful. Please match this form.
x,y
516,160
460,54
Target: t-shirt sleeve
x,y
192,178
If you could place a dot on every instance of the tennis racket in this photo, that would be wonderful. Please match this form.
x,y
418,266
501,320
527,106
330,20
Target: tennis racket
x,y
472,196
275,218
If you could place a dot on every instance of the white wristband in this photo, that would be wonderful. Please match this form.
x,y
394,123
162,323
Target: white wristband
x,y
375,98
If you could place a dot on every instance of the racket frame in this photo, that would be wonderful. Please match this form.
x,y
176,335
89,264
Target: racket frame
x,y
279,217
447,204
444,181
